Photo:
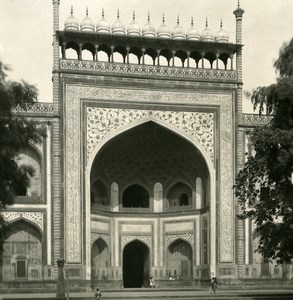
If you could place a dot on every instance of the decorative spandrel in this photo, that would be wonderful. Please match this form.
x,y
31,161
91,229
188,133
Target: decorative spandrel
x,y
102,121
33,216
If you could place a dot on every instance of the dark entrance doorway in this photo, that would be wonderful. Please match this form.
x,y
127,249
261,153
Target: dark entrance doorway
x,y
136,265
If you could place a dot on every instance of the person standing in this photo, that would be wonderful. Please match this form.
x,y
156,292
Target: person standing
x,y
213,284
98,294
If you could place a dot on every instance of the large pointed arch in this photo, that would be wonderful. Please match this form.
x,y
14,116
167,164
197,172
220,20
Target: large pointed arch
x,y
180,132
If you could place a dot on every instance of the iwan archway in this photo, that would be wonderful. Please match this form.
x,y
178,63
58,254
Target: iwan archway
x,y
136,265
145,155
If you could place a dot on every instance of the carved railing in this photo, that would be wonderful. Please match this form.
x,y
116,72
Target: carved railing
x,y
149,71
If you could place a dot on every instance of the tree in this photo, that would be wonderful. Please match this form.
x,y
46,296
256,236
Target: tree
x,y
263,187
16,133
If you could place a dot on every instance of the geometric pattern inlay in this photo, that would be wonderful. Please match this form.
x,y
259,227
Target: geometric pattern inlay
x,y
101,121
170,238
32,216
125,239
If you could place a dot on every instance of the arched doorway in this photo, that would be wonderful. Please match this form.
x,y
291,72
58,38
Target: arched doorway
x,y
22,258
136,265
179,260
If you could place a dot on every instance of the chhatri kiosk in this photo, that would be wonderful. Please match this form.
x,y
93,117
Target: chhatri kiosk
x,y
135,177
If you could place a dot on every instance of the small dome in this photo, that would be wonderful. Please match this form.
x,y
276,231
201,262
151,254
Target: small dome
x,y
222,36
148,29
87,24
118,26
192,34
163,31
71,23
103,25
207,35
178,32
134,28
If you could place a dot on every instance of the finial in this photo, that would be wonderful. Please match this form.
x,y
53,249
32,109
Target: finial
x,y
103,14
191,21
177,20
87,11
207,24
238,3
118,14
163,19
133,16
71,10
148,16
221,24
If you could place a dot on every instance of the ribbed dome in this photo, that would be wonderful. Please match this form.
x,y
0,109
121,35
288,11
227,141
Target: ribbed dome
x,y
134,28
222,36
103,25
178,32
71,22
118,26
148,29
192,34
207,35
87,24
163,31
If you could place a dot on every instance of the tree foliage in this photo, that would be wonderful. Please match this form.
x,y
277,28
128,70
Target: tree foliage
x,y
16,133
263,187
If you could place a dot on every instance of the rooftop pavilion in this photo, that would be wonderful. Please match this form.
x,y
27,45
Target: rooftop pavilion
x,y
146,45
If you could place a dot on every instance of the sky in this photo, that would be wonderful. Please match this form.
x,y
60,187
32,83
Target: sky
x,y
26,28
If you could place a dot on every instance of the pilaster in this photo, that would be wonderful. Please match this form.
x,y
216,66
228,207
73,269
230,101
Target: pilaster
x,y
57,207
239,135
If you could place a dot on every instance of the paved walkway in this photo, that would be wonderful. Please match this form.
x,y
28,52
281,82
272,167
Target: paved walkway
x,y
156,294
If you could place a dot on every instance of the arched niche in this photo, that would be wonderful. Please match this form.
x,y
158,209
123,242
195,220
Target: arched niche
x,y
260,268
180,194
135,196
158,197
30,158
100,260
99,194
22,258
179,260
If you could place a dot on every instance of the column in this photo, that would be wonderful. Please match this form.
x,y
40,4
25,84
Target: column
x,y
188,55
143,53
173,58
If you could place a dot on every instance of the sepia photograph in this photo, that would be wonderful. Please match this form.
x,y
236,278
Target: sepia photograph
x,y
146,149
